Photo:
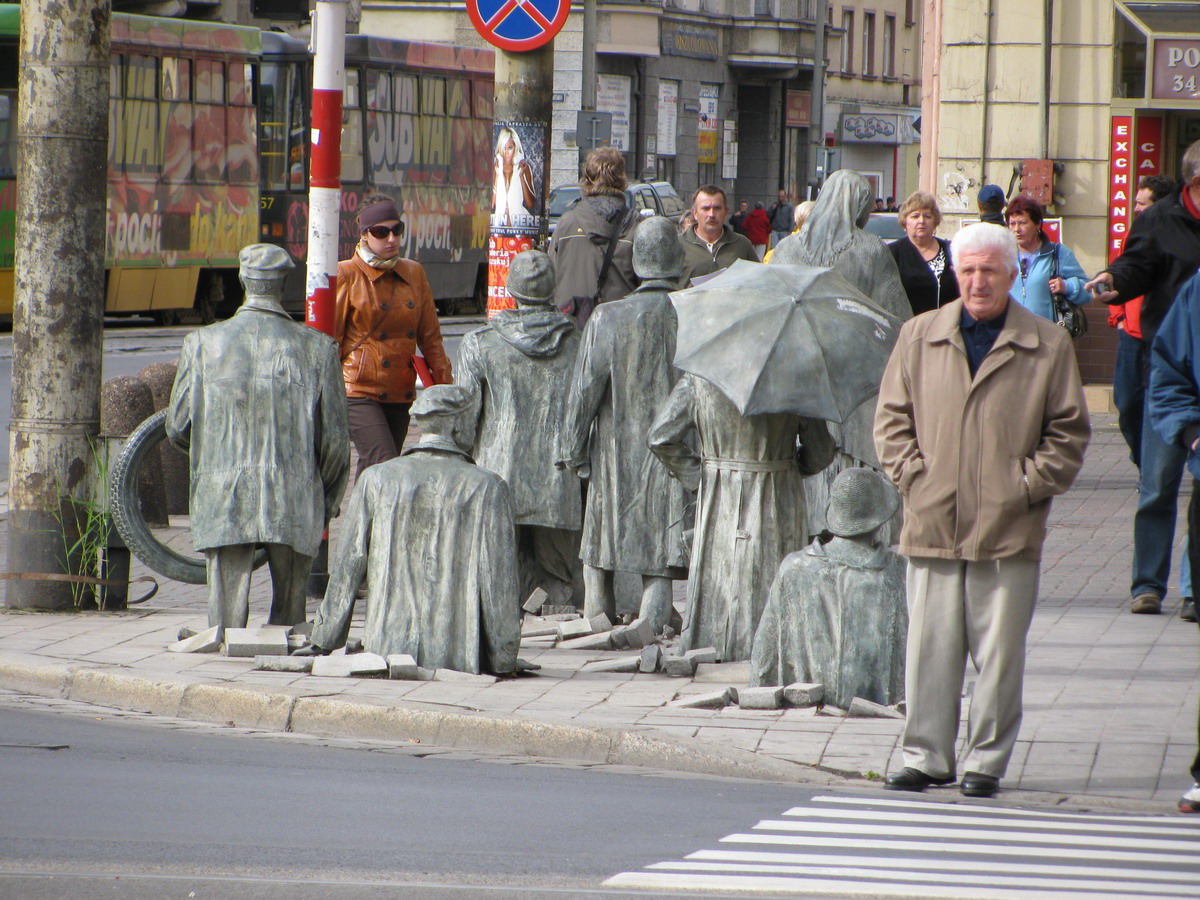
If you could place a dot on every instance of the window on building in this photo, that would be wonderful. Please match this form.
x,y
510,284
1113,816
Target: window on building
x,y
889,46
764,7
910,12
868,44
847,63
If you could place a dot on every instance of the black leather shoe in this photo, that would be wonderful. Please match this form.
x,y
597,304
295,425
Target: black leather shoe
x,y
975,784
909,779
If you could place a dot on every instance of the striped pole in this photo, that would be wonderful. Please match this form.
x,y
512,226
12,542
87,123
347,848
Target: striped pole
x,y
324,183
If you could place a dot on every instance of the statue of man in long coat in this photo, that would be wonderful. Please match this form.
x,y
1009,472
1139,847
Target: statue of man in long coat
x,y
635,510
259,405
750,511
837,612
433,534
517,367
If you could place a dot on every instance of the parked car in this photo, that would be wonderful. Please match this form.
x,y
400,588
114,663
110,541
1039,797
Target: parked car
x,y
886,226
653,198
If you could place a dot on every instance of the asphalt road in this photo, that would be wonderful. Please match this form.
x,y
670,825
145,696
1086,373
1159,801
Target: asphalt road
x,y
103,804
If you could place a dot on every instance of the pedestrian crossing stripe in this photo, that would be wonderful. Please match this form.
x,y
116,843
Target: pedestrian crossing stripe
x,y
929,849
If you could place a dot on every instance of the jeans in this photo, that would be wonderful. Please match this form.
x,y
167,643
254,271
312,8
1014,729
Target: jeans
x,y
1129,391
1154,522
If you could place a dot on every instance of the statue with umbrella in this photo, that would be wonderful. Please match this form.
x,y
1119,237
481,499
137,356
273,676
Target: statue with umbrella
x,y
769,355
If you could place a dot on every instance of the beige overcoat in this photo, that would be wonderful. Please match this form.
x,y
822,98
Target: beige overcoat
x,y
978,460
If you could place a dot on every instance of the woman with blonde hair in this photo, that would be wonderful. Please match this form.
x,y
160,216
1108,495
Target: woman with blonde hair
x,y
800,216
922,257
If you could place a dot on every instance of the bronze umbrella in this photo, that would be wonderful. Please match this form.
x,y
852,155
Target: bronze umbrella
x,y
794,339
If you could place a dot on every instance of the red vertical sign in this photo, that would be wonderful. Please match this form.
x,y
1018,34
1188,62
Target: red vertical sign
x,y
1149,146
1120,183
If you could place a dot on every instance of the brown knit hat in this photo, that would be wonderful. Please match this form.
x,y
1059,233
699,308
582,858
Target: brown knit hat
x,y
380,211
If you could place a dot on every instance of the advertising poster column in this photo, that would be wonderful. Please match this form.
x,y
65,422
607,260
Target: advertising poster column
x,y
524,32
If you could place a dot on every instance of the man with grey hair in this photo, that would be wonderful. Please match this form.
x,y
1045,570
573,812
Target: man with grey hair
x,y
1161,253
259,405
981,421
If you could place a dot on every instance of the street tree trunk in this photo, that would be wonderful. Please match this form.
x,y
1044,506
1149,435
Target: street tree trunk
x,y
62,133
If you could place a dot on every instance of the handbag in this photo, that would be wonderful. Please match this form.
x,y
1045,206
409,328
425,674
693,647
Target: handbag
x,y
1066,313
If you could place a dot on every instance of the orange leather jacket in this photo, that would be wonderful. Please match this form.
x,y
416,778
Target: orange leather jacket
x,y
382,318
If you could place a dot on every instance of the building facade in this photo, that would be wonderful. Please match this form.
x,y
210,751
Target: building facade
x,y
1071,102
722,91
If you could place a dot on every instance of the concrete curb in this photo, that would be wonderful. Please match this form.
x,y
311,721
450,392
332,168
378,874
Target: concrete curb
x,y
325,716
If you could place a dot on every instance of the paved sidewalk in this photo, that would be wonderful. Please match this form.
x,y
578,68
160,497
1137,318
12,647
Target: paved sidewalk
x,y
1110,697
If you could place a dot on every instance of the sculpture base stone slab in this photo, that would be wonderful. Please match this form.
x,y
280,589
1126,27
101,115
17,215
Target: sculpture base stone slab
x,y
726,673
402,666
760,698
602,641
703,655
709,700
622,665
651,659
801,694
284,663
869,709
207,641
456,677
351,665
269,640
678,666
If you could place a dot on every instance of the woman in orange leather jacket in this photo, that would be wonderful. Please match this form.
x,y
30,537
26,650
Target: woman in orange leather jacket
x,y
384,315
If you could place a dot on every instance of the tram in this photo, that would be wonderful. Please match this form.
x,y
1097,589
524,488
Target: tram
x,y
209,151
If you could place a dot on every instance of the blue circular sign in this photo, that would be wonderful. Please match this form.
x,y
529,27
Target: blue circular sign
x,y
518,25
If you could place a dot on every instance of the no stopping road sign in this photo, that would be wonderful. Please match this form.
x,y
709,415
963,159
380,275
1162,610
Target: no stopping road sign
x,y
518,25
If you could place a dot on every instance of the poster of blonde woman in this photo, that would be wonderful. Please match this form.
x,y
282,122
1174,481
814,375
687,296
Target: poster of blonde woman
x,y
515,199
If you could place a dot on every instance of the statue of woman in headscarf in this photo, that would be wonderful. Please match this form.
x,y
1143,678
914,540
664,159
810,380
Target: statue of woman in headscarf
x,y
833,237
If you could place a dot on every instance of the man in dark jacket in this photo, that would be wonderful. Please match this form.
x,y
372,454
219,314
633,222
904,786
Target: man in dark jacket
x,y
1162,252
783,218
1174,412
711,245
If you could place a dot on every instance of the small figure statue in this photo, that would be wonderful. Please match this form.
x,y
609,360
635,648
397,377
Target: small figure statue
x,y
837,612
259,405
433,534
516,368
635,510
750,512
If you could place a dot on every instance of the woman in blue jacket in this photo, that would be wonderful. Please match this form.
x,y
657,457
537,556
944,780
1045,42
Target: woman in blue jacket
x,y
1044,267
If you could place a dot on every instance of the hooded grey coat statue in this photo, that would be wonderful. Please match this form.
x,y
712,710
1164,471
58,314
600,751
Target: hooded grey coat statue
x,y
837,613
635,510
833,236
517,368
750,512
259,405
433,534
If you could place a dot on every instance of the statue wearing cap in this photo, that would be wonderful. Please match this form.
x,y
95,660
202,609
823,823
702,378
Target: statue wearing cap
x,y
634,520
432,534
517,367
837,611
259,406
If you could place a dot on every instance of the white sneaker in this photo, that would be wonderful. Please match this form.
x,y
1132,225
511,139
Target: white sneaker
x,y
1190,802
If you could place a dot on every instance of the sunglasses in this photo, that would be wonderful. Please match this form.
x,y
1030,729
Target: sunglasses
x,y
380,232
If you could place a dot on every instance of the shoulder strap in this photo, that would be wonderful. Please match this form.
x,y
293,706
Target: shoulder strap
x,y
618,228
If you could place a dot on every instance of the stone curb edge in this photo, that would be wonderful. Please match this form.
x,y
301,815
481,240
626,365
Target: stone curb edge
x,y
325,716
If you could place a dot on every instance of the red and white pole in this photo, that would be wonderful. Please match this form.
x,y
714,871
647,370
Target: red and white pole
x,y
324,181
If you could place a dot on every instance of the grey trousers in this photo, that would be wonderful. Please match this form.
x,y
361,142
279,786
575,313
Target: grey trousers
x,y
229,570
959,609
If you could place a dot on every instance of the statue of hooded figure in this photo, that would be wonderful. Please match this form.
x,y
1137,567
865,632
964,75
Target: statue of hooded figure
x,y
259,406
833,237
837,613
517,367
433,534
634,519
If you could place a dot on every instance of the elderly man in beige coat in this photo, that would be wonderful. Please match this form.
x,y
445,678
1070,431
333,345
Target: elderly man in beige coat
x,y
981,421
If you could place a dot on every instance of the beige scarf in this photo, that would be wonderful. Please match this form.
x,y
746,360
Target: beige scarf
x,y
375,262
